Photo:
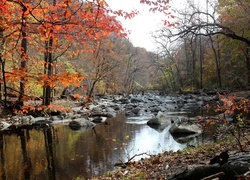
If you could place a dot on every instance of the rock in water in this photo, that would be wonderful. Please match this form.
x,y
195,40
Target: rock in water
x,y
159,122
4,125
185,128
76,124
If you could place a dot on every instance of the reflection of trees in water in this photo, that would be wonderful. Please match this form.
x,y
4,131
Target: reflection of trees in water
x,y
3,175
59,152
48,139
24,150
24,138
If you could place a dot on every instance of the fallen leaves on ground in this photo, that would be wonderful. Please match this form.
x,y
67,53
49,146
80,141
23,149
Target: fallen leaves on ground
x,y
167,164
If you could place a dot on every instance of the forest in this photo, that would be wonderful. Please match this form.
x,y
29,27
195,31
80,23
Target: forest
x,y
79,51
52,48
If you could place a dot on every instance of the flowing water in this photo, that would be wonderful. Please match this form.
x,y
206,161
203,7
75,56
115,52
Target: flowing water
x,y
61,153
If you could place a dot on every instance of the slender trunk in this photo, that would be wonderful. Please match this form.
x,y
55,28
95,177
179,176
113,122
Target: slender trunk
x,y
47,91
48,70
2,67
248,66
4,81
90,94
194,67
216,58
1,53
187,62
23,56
201,65
45,70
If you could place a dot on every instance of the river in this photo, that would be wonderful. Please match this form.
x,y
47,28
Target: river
x,y
61,153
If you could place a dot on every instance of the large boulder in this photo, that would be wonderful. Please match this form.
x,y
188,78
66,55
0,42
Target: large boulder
x,y
78,123
185,127
160,121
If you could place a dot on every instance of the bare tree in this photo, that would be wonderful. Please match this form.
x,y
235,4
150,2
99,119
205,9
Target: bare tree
x,y
211,24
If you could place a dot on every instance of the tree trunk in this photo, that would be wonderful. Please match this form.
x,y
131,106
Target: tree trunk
x,y
248,66
90,93
48,68
4,81
1,53
2,68
217,59
201,63
23,56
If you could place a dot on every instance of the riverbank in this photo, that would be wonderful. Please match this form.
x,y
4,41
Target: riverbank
x,y
197,162
192,162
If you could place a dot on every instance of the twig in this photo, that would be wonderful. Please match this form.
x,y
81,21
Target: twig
x,y
124,164
130,159
220,174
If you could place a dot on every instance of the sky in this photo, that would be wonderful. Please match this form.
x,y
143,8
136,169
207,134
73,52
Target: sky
x,y
140,26
146,22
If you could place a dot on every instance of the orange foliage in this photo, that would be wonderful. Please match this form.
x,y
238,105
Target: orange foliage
x,y
77,96
47,109
230,105
51,29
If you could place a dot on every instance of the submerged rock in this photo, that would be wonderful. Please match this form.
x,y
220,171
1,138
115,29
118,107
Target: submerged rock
x,y
185,128
76,124
42,123
161,121
184,138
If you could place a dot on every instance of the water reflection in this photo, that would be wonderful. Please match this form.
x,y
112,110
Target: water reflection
x,y
150,141
60,153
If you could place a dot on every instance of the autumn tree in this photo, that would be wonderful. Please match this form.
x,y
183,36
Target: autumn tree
x,y
45,33
101,63
12,30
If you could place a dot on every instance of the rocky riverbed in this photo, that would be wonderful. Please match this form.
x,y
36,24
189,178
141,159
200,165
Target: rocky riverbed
x,y
106,107
102,108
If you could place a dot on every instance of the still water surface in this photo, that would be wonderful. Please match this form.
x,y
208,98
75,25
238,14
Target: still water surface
x,y
61,153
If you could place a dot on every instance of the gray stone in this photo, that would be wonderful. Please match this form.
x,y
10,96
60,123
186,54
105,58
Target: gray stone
x,y
4,125
27,119
160,122
185,128
42,123
136,111
76,124
154,121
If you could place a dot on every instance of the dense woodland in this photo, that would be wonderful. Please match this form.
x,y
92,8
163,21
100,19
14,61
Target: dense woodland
x,y
52,48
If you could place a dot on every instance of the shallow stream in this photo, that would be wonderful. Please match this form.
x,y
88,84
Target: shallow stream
x,y
61,153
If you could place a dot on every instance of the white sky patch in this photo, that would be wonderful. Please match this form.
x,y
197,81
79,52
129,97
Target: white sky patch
x,y
144,24
140,26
